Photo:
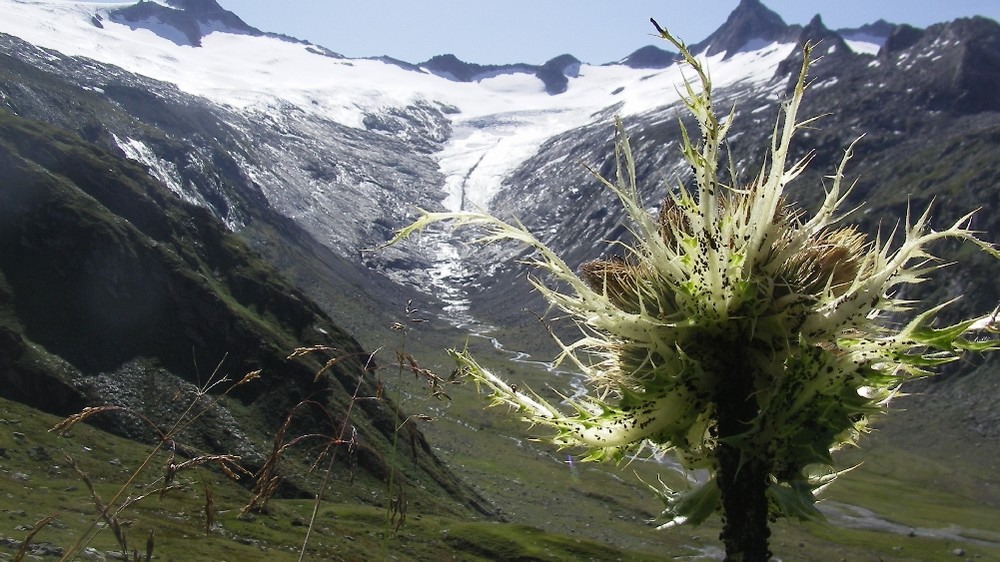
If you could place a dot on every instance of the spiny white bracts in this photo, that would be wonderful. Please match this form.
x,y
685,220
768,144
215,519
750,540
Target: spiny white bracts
x,y
733,269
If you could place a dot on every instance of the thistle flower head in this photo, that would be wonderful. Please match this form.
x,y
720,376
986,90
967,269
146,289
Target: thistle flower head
x,y
730,281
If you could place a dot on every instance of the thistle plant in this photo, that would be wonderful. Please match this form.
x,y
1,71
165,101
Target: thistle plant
x,y
736,332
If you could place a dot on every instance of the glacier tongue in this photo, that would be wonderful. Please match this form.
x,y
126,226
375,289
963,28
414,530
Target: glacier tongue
x,y
347,148
498,122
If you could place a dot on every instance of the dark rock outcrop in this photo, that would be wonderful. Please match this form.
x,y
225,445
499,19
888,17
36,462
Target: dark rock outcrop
x,y
114,291
190,19
650,56
902,37
877,32
555,73
451,67
750,26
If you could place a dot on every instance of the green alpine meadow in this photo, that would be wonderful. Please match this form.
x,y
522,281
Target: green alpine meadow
x,y
747,337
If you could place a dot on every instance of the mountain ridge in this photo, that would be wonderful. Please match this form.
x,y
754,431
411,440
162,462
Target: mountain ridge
x,y
430,126
312,169
748,26
114,291
191,21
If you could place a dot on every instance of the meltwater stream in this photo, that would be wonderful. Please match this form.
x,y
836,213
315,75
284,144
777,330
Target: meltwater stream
x,y
451,284
480,153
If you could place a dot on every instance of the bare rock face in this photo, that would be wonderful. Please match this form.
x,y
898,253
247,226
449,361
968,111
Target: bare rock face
x,y
555,73
182,21
750,26
117,292
650,56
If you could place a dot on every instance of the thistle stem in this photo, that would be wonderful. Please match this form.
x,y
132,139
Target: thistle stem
x,y
741,478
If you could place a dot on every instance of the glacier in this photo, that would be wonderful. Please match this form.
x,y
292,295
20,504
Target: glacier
x,y
497,123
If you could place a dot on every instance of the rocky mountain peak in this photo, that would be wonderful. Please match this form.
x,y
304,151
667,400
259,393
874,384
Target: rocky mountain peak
x,y
749,26
197,7
453,68
450,66
650,56
880,28
902,37
829,45
555,73
872,33
960,58
184,22
818,33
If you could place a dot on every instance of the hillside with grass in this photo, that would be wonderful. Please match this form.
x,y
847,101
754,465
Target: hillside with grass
x,y
115,292
200,332
118,296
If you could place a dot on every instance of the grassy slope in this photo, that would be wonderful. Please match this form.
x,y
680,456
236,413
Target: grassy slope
x,y
105,273
555,512
916,474
38,482
533,485
918,482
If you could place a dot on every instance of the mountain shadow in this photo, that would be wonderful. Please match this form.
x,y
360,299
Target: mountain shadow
x,y
114,291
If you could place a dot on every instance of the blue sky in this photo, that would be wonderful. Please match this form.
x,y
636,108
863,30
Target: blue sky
x,y
533,31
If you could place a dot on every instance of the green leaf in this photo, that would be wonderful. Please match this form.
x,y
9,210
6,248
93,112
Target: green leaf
x,y
795,499
692,507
